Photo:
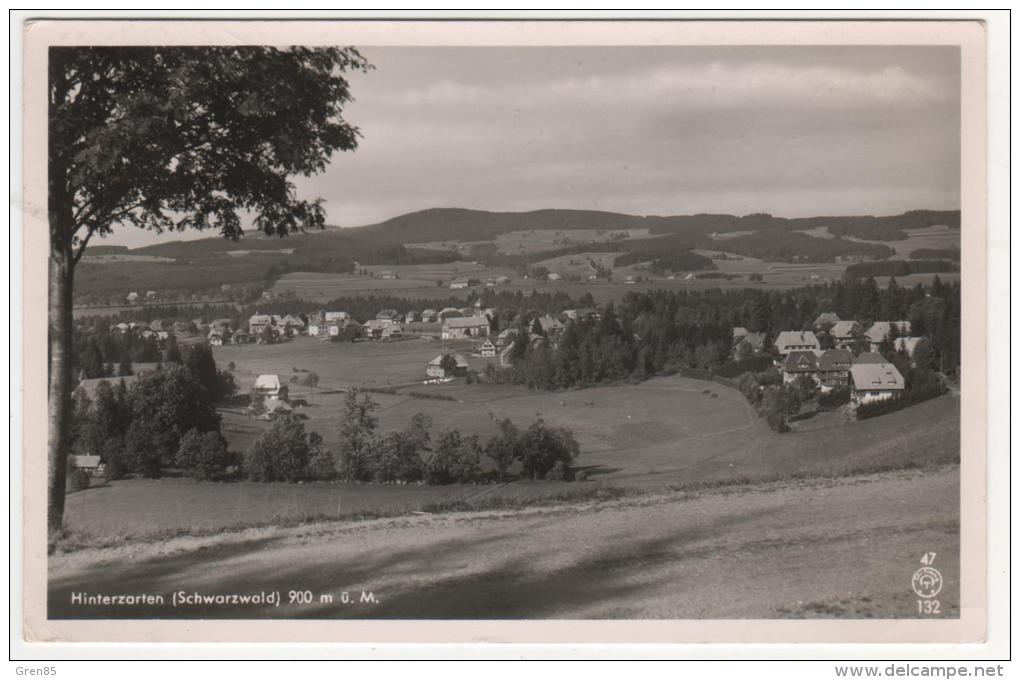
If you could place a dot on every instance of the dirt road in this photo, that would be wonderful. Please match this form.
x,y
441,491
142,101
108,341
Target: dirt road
x,y
833,548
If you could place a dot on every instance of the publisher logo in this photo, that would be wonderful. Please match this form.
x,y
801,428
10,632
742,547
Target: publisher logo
x,y
927,582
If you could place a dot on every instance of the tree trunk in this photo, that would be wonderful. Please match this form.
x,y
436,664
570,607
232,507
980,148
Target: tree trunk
x,y
61,282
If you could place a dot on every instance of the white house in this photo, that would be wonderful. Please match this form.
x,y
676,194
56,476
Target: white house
x,y
269,386
790,341
457,284
883,330
488,349
434,368
465,327
875,382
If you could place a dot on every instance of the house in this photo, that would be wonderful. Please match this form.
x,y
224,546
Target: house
x,y
488,349
387,274
458,284
834,368
875,382
215,339
132,297
430,316
551,325
257,322
334,318
791,341
751,344
387,315
800,363
122,327
314,330
150,295
870,358
241,337
88,463
411,317
465,327
269,386
880,331
435,369
739,332
553,276
825,321
845,333
379,329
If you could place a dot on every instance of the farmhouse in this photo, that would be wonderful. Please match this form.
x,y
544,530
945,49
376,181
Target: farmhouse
x,y
88,463
834,368
292,322
241,337
315,330
465,327
845,333
800,363
881,331
875,382
790,341
276,408
215,338
269,386
553,276
334,318
488,349
457,367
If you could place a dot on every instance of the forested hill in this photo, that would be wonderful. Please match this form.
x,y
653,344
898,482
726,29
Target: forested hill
x,y
449,224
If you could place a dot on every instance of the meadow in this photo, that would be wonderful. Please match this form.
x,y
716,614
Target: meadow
x,y
667,432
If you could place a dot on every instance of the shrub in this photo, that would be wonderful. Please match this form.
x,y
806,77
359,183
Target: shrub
x,y
834,398
455,459
541,447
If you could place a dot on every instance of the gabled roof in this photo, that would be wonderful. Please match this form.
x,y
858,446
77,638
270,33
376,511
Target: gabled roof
x,y
835,360
869,358
754,340
880,330
269,382
796,338
876,377
844,329
549,323
739,332
801,361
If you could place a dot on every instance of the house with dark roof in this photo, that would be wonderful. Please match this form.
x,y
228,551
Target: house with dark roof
x,y
834,368
435,368
845,333
801,363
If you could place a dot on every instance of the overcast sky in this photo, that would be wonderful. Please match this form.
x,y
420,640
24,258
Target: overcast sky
x,y
793,131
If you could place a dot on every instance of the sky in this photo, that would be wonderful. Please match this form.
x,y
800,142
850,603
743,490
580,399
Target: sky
x,y
793,131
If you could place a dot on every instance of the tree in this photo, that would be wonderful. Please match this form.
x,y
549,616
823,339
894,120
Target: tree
x,y
454,459
542,447
449,365
204,455
321,464
164,406
503,448
311,380
171,138
357,437
280,454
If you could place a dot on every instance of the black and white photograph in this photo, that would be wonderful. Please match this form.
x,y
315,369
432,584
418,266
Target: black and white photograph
x,y
467,331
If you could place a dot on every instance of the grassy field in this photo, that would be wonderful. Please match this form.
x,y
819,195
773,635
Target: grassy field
x,y
930,237
669,431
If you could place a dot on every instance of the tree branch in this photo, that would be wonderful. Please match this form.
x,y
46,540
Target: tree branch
x,y
81,246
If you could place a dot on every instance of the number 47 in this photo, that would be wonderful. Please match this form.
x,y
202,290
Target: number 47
x,y
927,559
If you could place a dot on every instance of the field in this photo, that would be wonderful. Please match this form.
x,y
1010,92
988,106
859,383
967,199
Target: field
x,y
536,240
775,273
661,432
930,237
